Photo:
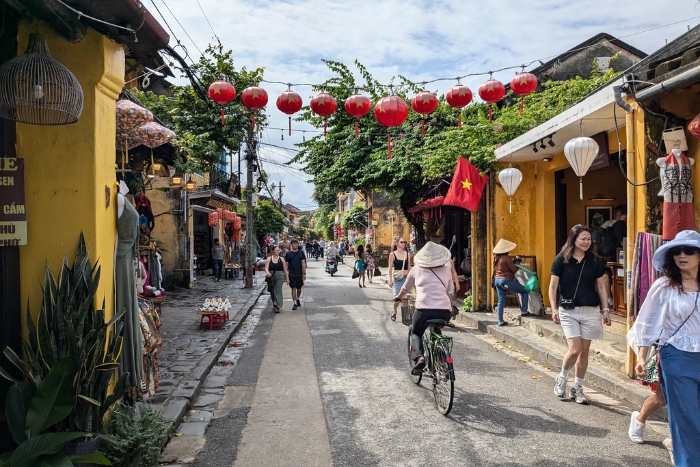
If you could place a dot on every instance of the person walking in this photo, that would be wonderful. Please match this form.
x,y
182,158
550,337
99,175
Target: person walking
x,y
360,265
399,267
341,248
369,259
322,243
651,404
504,269
276,271
579,277
670,314
296,267
433,282
217,255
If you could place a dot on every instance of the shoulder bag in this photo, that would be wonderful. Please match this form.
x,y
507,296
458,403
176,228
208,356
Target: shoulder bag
x,y
568,303
399,275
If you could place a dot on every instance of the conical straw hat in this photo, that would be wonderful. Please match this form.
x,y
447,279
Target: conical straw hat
x,y
432,255
503,246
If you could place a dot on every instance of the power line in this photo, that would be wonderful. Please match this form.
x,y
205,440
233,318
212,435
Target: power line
x,y
181,26
208,22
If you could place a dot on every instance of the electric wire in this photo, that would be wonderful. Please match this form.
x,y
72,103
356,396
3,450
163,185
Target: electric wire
x,y
209,23
92,18
181,26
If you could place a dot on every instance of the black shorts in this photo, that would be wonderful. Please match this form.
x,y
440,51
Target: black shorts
x,y
295,282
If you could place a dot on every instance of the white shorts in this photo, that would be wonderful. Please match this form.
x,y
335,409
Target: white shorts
x,y
585,322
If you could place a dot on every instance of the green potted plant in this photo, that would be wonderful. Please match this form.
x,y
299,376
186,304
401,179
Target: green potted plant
x,y
69,328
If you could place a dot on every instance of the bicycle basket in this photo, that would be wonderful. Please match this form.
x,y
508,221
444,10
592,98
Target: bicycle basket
x,y
407,313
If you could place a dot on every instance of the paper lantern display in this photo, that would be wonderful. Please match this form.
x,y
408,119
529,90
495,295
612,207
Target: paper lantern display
x,y
510,179
323,105
390,111
492,91
222,92
581,152
424,103
289,102
357,106
213,219
459,96
523,84
255,98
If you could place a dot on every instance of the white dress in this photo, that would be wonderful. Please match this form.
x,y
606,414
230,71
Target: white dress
x,y
663,312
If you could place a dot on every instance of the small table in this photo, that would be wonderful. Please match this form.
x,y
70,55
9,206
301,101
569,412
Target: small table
x,y
216,319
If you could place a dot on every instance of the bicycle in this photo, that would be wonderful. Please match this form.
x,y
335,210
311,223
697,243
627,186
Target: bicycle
x,y
437,351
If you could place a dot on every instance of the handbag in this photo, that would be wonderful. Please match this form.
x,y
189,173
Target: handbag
x,y
377,272
399,275
532,284
568,303
355,273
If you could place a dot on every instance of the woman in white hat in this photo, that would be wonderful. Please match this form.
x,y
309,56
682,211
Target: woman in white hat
x,y
670,314
504,270
432,277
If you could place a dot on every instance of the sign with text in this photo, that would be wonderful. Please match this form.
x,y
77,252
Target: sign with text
x,y
602,159
13,216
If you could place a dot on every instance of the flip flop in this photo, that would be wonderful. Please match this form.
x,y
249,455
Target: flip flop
x,y
393,316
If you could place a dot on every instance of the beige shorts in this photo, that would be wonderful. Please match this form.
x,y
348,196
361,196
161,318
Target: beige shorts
x,y
585,322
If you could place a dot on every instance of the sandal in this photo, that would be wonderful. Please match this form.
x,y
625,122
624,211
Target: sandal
x,y
393,316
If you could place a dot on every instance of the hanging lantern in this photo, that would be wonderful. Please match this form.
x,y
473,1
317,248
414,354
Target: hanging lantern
x,y
153,135
213,219
323,105
289,102
190,186
510,179
176,181
523,84
357,106
38,90
694,126
255,98
130,116
492,91
459,96
424,103
390,111
581,152
222,92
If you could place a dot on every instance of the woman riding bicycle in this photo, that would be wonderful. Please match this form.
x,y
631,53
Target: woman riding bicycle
x,y
432,279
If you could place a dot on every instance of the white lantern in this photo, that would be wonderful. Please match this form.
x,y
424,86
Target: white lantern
x,y
510,179
581,152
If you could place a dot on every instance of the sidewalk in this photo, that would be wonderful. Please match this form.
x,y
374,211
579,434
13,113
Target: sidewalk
x,y
188,353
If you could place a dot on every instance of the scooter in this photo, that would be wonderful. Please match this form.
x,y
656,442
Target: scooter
x,y
331,266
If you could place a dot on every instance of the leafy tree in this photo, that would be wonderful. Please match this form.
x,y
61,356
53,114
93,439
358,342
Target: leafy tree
x,y
304,222
267,219
201,139
353,218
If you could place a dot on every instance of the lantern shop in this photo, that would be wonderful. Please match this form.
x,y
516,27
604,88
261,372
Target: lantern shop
x,y
621,162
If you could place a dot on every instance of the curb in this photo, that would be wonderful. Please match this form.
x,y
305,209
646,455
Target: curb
x,y
178,404
528,344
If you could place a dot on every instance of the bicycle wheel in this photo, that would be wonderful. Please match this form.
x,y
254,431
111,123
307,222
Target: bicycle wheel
x,y
443,384
415,378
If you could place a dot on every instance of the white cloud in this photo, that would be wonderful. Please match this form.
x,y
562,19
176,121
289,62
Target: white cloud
x,y
423,40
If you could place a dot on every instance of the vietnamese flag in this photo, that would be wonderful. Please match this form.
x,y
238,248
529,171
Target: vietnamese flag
x,y
466,187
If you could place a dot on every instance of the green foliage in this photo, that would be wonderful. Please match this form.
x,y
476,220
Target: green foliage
x,y
304,222
267,219
201,139
467,304
135,436
354,218
69,329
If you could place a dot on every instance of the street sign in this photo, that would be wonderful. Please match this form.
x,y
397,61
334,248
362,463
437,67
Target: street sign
x,y
13,216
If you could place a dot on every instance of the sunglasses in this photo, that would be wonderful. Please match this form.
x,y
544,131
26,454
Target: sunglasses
x,y
686,250
401,241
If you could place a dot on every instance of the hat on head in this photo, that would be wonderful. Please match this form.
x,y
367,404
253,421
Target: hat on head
x,y
432,255
503,246
683,238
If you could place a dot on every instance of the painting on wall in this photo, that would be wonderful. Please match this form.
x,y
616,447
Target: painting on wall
x,y
596,216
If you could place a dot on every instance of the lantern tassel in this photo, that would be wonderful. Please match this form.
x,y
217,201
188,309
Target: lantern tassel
x,y
389,145
252,121
522,105
422,127
153,171
490,114
223,112
290,125
510,205
459,120
580,187
325,124
357,128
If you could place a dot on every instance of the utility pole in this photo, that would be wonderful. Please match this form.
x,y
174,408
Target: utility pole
x,y
280,188
249,240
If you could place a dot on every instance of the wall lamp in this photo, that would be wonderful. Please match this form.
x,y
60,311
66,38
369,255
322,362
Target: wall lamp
x,y
547,159
551,141
534,147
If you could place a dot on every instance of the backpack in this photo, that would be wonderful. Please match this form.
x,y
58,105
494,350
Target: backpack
x,y
606,242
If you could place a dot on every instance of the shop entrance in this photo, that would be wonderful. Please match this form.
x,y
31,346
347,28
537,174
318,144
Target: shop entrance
x,y
457,234
203,237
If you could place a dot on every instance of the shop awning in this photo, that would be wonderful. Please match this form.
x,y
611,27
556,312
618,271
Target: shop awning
x,y
213,199
592,115
431,203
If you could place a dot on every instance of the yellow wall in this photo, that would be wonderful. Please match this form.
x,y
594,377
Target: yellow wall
x,y
68,167
381,233
166,230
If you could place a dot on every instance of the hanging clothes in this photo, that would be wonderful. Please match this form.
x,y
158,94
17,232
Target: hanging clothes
x,y
143,207
643,272
125,293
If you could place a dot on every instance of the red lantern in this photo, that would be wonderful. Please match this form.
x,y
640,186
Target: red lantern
x,y
222,92
213,219
523,84
323,105
459,96
390,111
357,106
492,91
289,102
255,98
424,102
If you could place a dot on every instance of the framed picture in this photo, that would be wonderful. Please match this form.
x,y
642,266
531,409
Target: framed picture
x,y
597,215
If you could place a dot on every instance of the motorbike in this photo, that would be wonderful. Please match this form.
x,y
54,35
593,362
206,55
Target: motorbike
x,y
316,254
331,266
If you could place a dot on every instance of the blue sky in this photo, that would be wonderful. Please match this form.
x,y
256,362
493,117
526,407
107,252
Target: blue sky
x,y
420,39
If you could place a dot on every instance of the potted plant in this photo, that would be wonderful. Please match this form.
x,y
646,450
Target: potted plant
x,y
69,328
32,411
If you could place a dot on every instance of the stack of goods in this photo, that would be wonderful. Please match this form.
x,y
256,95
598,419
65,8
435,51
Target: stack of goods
x,y
212,305
150,328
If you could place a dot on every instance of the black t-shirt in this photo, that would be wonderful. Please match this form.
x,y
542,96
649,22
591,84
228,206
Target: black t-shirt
x,y
568,274
294,259
618,231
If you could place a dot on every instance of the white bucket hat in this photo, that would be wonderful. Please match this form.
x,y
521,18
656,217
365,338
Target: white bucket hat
x,y
432,255
683,238
503,246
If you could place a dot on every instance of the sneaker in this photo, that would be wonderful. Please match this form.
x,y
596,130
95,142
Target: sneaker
x,y
636,429
298,303
526,314
576,394
560,386
418,368
503,323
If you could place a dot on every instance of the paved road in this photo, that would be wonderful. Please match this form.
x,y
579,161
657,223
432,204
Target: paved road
x,y
504,413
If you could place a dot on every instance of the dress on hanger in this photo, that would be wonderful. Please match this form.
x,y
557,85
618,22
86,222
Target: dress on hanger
x,y
125,291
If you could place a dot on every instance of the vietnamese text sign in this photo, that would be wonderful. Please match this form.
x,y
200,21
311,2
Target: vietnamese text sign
x,y
13,217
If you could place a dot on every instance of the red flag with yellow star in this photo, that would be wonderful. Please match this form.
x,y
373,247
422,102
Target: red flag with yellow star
x,y
466,187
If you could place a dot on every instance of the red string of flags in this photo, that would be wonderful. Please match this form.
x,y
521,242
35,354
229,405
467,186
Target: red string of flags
x,y
390,111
